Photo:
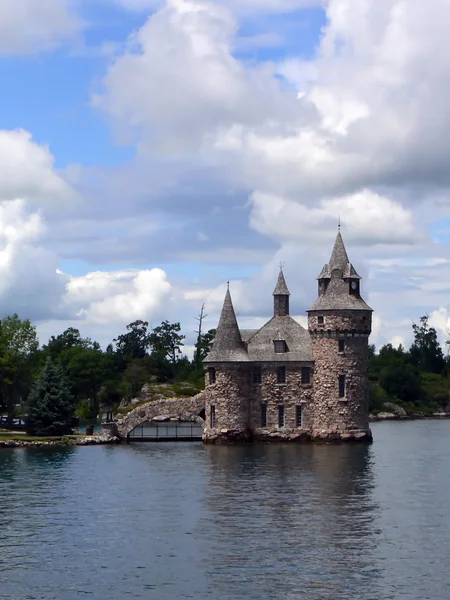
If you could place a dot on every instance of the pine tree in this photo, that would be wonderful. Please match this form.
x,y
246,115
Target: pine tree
x,y
50,405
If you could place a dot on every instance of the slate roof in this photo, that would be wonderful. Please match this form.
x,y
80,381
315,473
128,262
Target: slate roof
x,y
227,345
246,334
297,338
339,260
281,289
337,297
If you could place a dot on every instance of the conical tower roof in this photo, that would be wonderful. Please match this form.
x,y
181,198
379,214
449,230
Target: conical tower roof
x,y
339,258
335,278
281,289
227,345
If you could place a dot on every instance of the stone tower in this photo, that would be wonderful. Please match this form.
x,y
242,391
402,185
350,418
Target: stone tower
x,y
339,324
227,382
281,297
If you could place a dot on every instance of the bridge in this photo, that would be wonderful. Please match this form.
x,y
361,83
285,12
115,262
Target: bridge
x,y
144,422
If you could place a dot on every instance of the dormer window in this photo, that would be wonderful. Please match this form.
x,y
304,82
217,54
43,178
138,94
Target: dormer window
x,y
354,287
280,346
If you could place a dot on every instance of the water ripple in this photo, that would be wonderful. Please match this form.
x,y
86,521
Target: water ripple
x,y
175,521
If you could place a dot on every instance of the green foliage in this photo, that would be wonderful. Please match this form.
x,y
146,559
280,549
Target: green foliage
x,y
135,343
18,361
377,397
50,405
417,379
426,353
166,341
401,381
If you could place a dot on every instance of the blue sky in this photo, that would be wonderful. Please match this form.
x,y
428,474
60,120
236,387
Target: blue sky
x,y
170,146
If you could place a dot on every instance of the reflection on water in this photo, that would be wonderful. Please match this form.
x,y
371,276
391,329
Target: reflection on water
x,y
293,518
169,521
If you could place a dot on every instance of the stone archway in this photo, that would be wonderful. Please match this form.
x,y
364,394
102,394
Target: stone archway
x,y
182,409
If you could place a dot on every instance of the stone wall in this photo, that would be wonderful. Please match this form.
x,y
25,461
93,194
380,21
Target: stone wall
x,y
183,409
230,397
334,417
291,394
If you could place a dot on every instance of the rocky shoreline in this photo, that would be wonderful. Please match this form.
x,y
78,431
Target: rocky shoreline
x,y
93,440
390,416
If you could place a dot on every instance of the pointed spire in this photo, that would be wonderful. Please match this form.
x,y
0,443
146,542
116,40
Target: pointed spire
x,y
281,296
339,258
227,345
281,289
337,289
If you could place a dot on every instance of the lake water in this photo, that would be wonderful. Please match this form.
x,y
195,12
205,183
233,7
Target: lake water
x,y
173,521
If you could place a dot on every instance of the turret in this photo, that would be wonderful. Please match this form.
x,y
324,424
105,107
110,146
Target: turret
x,y
281,297
227,382
339,324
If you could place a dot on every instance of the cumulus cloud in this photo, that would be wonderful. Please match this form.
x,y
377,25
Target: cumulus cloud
x,y
29,283
368,218
120,296
29,26
205,88
27,170
354,116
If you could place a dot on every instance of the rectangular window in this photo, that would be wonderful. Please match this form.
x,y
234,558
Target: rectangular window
x,y
280,415
212,416
281,374
320,320
263,415
341,386
341,345
298,416
256,375
280,346
212,374
306,375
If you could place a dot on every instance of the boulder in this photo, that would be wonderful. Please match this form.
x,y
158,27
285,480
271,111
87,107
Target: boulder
x,y
394,408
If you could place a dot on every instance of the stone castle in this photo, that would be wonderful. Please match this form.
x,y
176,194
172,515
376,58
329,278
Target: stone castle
x,y
285,383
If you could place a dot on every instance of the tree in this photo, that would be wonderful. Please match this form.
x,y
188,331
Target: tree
x,y
166,342
70,338
401,381
50,405
204,343
18,361
426,352
197,352
135,343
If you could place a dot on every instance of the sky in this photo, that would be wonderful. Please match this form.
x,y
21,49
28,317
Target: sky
x,y
152,150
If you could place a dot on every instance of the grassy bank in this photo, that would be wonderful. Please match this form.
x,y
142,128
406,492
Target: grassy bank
x,y
14,436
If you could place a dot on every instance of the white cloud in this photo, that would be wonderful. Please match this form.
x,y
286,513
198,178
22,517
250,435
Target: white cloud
x,y
31,25
179,83
27,170
29,283
366,217
118,296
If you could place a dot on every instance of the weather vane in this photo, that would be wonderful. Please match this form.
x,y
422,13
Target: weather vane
x,y
281,264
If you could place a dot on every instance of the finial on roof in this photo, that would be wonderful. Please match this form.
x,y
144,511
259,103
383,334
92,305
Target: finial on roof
x,y
339,223
281,265
228,285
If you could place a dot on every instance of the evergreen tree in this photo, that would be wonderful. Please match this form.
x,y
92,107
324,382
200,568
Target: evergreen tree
x,y
50,405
